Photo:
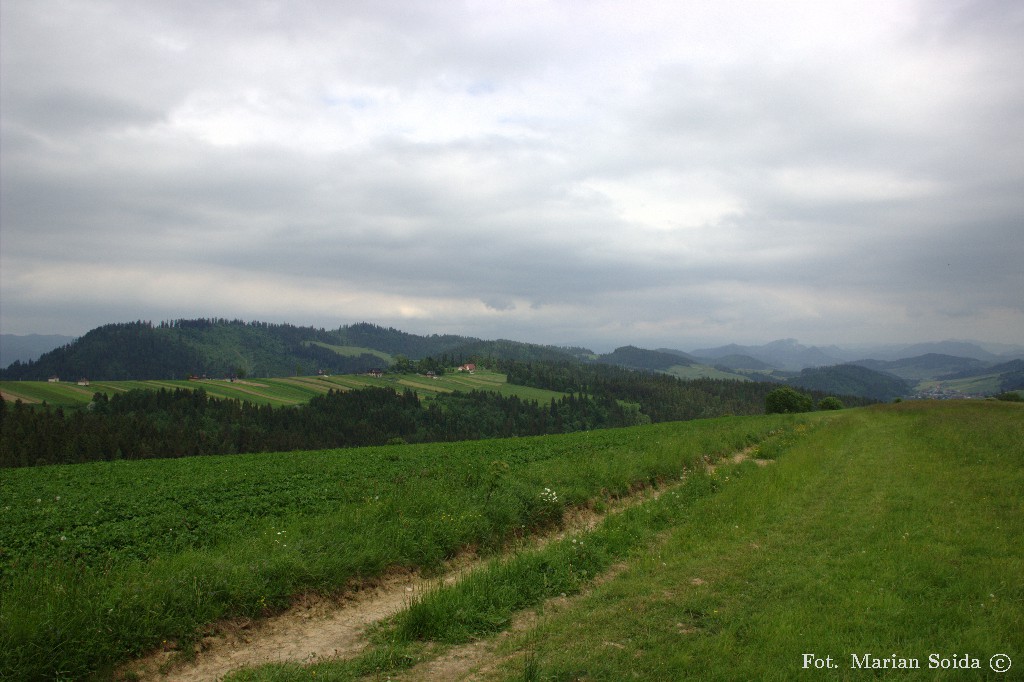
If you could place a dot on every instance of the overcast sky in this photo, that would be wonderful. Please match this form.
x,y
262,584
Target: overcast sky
x,y
670,173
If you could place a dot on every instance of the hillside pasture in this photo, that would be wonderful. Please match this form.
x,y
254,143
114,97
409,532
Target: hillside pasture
x,y
57,394
355,351
984,384
276,392
703,372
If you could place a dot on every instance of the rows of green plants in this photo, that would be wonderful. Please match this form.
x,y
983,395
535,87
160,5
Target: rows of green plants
x,y
104,561
485,601
276,392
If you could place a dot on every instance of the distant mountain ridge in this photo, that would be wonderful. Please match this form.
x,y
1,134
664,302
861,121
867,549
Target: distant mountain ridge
x,y
851,380
639,358
927,365
963,349
741,362
790,355
787,354
219,347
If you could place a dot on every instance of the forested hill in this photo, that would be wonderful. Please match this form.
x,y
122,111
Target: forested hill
x,y
219,348
140,423
141,350
639,358
851,380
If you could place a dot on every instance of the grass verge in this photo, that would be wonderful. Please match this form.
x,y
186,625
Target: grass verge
x,y
895,534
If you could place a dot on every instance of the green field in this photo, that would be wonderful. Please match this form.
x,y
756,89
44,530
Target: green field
x,y
703,372
355,351
891,536
892,530
986,384
102,561
276,392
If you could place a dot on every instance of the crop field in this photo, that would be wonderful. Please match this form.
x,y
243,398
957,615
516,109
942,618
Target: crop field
x,y
987,384
703,372
276,392
104,561
353,351
894,530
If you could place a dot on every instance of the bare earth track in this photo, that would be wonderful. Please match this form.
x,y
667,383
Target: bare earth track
x,y
11,398
317,627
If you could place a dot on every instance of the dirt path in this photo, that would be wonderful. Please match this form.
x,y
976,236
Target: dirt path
x,y
14,397
318,628
479,660
737,458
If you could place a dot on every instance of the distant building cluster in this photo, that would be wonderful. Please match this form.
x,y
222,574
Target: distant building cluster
x,y
938,392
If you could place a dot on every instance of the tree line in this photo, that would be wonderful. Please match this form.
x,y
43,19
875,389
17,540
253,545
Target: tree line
x,y
143,424
660,397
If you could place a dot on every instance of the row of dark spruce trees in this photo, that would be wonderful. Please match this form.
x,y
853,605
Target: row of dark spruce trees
x,y
144,424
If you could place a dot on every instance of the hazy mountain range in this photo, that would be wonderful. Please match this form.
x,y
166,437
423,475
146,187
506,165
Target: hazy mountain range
x,y
789,354
784,354
141,350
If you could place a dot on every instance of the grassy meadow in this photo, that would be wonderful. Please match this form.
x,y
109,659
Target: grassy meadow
x,y
894,531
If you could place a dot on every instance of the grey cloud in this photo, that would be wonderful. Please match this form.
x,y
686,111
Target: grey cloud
x,y
500,304
69,112
530,168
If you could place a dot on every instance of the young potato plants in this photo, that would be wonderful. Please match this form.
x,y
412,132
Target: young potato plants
x,y
104,561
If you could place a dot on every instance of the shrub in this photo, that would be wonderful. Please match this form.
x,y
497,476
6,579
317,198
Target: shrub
x,y
785,400
831,403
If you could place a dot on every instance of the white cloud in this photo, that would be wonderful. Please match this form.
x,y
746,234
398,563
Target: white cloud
x,y
601,174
